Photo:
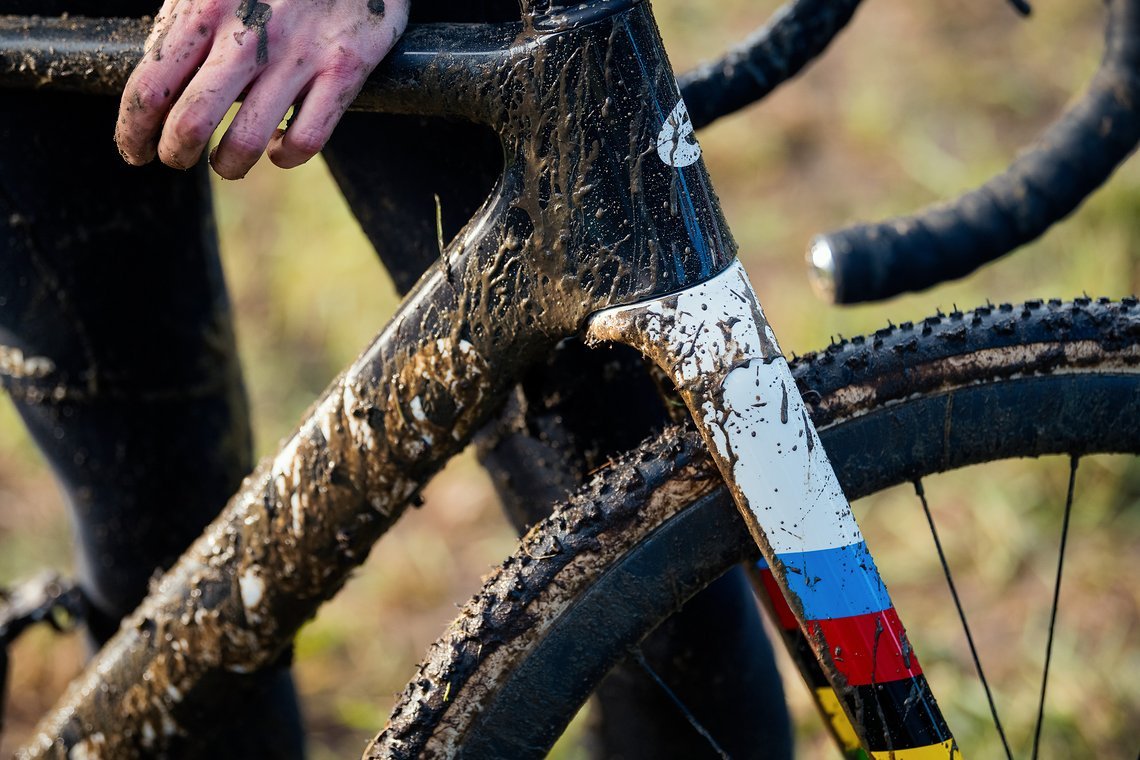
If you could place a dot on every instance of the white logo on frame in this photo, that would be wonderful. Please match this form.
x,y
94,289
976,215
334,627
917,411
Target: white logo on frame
x,y
675,142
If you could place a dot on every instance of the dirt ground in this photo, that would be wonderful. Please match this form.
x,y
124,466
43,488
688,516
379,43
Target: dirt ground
x,y
917,101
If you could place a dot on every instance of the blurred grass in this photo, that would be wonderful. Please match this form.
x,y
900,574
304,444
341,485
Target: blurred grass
x,y
917,101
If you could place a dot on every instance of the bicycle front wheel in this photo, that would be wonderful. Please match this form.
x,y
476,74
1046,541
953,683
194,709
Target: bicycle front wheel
x,y
625,553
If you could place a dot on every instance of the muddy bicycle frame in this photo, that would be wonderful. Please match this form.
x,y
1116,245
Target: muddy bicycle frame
x,y
603,224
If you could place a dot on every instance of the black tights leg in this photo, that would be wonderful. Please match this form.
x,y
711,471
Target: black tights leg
x,y
111,293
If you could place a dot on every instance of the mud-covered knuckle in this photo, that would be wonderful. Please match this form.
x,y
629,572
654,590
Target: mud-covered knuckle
x,y
145,95
157,32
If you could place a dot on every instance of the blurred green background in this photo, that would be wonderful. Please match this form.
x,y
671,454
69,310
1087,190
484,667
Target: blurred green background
x,y
915,102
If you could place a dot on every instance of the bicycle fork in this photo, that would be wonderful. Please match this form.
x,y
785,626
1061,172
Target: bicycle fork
x,y
715,344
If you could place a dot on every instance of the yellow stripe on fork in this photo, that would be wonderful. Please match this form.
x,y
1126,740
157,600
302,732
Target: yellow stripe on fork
x,y
845,733
840,723
947,750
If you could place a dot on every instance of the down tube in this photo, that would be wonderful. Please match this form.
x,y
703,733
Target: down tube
x,y
717,347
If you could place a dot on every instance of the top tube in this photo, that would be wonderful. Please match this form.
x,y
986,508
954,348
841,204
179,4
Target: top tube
x,y
607,199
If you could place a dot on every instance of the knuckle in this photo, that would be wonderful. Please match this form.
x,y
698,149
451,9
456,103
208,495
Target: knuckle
x,y
276,36
146,95
346,66
305,141
212,14
190,130
243,147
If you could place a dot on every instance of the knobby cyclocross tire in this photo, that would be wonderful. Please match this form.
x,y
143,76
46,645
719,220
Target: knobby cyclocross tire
x,y
645,534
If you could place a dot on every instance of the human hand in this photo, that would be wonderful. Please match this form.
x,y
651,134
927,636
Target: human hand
x,y
204,55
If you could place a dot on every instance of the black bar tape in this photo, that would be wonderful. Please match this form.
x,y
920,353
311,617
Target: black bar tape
x,y
1074,156
796,34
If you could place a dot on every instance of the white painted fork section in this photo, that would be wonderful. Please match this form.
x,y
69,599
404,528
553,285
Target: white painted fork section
x,y
717,347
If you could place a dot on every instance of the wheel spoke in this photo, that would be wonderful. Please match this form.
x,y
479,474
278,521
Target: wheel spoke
x,y
921,492
1073,461
692,719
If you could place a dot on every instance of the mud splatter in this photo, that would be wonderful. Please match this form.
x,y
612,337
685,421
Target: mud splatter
x,y
255,15
158,43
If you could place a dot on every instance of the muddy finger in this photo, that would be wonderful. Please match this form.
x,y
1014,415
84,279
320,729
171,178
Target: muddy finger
x,y
255,124
312,125
174,52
